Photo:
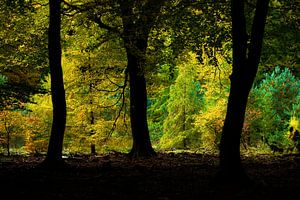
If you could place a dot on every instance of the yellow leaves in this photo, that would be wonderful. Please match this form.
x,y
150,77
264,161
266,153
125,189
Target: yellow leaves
x,y
29,145
14,124
9,118
275,3
214,68
197,12
42,105
293,127
210,123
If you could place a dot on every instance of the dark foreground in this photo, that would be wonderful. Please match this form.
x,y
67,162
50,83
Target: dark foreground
x,y
169,176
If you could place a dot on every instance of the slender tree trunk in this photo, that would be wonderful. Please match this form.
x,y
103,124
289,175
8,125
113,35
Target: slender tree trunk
x,y
54,154
92,121
92,132
8,144
7,138
245,65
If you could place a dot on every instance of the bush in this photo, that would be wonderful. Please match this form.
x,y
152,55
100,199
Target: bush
x,y
276,98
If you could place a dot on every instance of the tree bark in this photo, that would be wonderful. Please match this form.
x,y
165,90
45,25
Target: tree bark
x,y
54,154
138,109
135,35
245,65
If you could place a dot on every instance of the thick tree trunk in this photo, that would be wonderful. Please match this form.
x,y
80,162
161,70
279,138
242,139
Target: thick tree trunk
x,y
54,154
136,29
230,162
245,65
138,108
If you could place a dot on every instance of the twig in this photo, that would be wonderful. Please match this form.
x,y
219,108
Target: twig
x,y
122,106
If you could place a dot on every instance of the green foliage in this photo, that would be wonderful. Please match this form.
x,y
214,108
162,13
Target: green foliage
x,y
282,22
3,80
187,96
281,89
274,100
157,112
23,50
185,101
214,76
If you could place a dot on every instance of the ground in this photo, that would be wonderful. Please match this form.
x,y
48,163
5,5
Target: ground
x,y
168,176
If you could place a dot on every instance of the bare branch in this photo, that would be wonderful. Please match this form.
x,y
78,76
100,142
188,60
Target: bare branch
x,y
122,106
112,81
104,90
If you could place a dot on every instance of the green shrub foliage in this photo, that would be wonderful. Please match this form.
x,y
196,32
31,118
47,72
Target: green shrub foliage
x,y
275,100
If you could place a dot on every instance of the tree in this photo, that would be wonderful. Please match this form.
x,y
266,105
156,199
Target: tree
x,y
132,21
276,101
245,65
184,102
214,78
284,22
138,18
54,154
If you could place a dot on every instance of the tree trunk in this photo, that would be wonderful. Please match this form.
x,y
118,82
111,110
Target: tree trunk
x,y
245,65
54,154
92,132
92,117
138,108
230,162
7,139
136,29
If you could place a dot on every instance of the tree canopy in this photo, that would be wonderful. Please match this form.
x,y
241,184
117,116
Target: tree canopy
x,y
147,76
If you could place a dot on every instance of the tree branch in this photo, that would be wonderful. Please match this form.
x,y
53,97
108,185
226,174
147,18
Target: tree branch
x,y
122,106
97,20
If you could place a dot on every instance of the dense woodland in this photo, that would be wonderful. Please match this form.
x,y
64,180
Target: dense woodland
x,y
139,77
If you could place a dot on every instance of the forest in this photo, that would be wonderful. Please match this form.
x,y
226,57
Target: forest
x,y
145,79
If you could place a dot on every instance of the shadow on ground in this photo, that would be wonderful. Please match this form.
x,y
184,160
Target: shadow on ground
x,y
168,176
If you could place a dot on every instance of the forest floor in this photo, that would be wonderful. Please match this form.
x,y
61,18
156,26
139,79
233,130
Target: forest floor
x,y
168,176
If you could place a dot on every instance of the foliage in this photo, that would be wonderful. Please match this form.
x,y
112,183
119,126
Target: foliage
x,y
187,92
184,102
274,99
23,51
20,130
282,22
293,132
214,77
157,112
3,80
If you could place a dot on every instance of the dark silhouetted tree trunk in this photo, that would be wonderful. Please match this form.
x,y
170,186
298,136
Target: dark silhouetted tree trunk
x,y
54,154
92,132
7,130
136,29
246,58
138,109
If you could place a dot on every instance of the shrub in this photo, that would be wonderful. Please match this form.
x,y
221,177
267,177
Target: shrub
x,y
276,98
